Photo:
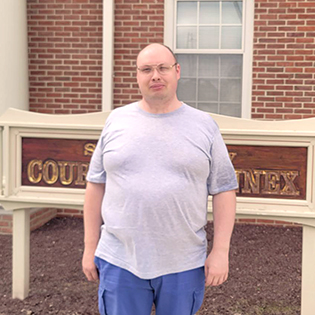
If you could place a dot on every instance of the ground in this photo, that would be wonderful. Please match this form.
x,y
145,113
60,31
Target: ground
x,y
265,273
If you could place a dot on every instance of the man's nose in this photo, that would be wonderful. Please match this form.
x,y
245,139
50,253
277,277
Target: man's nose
x,y
155,75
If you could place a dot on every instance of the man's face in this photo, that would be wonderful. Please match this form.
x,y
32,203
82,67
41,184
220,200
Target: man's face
x,y
156,86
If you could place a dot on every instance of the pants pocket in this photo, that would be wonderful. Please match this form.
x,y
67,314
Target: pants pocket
x,y
197,301
101,301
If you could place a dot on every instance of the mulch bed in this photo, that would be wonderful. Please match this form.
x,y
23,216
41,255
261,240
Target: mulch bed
x,y
265,273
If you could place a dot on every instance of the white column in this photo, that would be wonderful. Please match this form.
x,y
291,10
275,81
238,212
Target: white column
x,y
14,87
108,55
308,271
21,254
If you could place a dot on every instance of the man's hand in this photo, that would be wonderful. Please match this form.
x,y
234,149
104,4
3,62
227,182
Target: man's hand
x,y
217,263
217,267
92,223
88,266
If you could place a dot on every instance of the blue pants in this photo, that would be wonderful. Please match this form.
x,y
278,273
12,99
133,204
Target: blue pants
x,y
123,293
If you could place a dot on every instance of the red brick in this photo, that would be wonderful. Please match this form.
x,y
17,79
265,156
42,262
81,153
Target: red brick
x,y
293,116
257,116
295,22
246,220
295,58
274,93
284,99
306,16
276,22
283,110
304,76
292,105
294,69
5,230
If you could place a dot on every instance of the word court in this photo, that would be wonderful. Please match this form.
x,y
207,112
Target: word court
x,y
56,162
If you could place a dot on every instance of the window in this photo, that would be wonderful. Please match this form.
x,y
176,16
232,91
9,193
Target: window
x,y
213,43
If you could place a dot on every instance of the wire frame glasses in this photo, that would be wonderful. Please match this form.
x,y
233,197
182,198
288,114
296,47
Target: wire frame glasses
x,y
161,69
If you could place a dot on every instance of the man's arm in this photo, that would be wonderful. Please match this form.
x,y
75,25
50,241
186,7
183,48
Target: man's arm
x,y
92,222
217,263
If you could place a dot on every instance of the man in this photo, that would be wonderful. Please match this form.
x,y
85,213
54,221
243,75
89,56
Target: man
x,y
160,159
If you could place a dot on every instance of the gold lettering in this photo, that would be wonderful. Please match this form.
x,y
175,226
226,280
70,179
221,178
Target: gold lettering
x,y
82,171
34,167
237,173
50,172
63,166
89,148
232,155
272,183
267,182
289,188
252,181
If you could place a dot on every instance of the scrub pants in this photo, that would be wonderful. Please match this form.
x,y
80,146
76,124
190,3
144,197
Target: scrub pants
x,y
123,293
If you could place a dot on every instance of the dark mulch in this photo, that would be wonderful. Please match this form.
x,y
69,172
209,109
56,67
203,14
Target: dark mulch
x,y
265,273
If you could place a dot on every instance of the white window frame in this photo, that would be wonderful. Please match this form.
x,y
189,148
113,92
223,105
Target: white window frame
x,y
246,51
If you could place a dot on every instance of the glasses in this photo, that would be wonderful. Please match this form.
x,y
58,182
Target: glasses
x,y
161,69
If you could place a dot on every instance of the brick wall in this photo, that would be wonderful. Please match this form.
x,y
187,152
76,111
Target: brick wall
x,y
65,55
284,59
6,223
41,216
38,217
69,213
137,24
266,222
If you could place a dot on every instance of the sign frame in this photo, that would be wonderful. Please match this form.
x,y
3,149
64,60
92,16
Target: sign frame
x,y
15,124
15,189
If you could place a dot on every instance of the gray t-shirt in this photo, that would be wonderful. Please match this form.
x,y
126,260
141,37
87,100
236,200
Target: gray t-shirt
x,y
159,170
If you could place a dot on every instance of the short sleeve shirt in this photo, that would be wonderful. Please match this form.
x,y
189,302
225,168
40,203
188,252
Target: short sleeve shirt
x,y
159,170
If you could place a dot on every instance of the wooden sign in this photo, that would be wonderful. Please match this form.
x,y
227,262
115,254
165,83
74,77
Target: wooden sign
x,y
262,171
56,162
270,171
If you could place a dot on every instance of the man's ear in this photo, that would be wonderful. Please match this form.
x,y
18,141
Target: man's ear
x,y
178,71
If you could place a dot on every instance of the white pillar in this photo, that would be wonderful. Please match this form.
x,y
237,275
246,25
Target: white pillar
x,y
108,55
21,254
308,271
14,87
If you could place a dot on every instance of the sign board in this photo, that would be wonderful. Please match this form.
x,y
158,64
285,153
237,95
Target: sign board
x,y
262,171
47,158
44,160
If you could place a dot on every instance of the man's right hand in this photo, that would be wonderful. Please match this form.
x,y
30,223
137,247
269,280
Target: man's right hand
x,y
88,267
94,194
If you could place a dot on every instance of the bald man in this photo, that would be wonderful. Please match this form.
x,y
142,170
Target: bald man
x,y
159,159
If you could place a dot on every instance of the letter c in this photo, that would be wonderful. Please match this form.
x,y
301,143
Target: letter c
x,y
31,171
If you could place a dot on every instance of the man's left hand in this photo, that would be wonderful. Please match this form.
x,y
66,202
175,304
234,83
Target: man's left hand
x,y
217,267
